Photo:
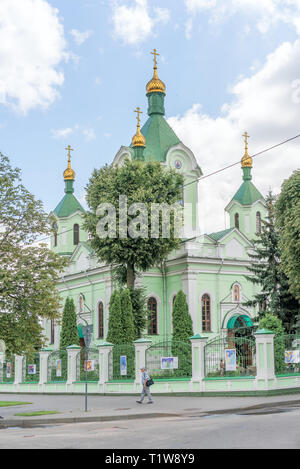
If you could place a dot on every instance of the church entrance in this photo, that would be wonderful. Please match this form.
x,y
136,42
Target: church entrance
x,y
240,337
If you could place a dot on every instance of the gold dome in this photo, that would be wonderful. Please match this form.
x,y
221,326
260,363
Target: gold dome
x,y
69,173
138,139
155,85
246,160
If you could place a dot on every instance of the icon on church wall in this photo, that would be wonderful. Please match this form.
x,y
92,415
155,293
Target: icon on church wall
x,y
230,360
8,370
89,365
58,368
32,369
123,365
178,164
169,363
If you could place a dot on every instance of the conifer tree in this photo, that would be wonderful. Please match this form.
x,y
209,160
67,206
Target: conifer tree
x,y
182,331
274,296
69,331
115,328
127,317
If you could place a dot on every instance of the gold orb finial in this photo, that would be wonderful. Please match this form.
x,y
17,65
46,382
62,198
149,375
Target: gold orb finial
x,y
246,160
69,173
138,139
155,85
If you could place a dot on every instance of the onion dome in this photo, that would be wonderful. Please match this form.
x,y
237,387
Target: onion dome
x,y
246,160
69,173
155,85
138,140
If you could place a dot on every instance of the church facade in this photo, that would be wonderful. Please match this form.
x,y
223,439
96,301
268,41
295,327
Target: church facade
x,y
210,268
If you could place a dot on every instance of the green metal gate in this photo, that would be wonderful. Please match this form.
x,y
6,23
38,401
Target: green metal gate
x,y
121,362
169,359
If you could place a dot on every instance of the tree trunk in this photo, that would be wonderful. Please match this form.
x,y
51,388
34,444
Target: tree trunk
x,y
130,276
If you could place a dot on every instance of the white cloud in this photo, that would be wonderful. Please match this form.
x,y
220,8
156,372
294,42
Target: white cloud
x,y
266,105
135,24
32,46
87,132
62,133
80,37
265,13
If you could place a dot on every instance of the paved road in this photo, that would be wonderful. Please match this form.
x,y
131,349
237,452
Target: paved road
x,y
269,426
231,431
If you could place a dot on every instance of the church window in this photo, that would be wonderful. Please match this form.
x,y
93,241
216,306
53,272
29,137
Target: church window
x,y
76,234
152,316
258,222
81,304
100,321
236,293
206,314
55,228
51,331
237,221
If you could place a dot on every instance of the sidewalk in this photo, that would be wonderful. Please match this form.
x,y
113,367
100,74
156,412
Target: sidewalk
x,y
109,408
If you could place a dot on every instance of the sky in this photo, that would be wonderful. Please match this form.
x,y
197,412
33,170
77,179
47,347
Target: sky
x,y
73,72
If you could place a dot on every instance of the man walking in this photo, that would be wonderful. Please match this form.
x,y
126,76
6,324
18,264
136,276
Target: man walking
x,y
146,389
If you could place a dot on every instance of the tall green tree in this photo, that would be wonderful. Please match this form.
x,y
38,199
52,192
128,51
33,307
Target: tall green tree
x,y
182,331
127,317
115,333
287,212
274,296
29,271
132,246
69,331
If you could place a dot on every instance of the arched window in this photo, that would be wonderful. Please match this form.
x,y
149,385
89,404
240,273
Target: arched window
x,y
81,304
55,228
237,221
236,293
206,316
51,331
100,320
258,222
76,234
152,316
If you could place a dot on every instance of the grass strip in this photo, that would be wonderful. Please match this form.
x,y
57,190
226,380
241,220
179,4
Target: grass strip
x,y
11,403
39,412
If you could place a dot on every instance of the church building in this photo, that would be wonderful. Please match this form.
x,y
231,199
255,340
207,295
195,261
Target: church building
x,y
210,268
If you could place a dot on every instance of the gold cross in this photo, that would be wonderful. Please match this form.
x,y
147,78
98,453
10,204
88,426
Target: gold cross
x,y
155,54
246,139
138,111
69,149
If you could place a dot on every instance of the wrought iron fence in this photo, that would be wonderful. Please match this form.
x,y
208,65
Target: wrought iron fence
x,y
169,359
87,364
230,356
31,368
287,354
121,362
58,366
8,372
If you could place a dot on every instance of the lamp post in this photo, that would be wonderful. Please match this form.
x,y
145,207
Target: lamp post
x,y
87,341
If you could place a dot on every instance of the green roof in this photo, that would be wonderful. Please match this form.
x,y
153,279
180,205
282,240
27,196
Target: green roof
x,y
247,194
159,138
67,206
220,234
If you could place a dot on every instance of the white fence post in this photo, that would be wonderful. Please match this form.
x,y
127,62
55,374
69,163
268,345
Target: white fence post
x,y
141,345
104,351
265,368
198,359
44,356
72,351
19,369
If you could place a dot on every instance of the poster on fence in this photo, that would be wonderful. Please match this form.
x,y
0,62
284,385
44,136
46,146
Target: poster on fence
x,y
123,365
8,370
292,356
58,368
169,363
32,369
230,359
89,365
